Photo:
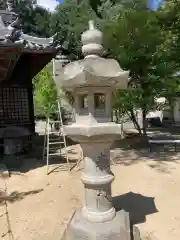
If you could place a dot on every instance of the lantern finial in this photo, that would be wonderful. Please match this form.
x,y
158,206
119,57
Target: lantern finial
x,y
92,41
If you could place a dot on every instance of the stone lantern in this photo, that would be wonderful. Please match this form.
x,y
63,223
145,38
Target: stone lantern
x,y
92,81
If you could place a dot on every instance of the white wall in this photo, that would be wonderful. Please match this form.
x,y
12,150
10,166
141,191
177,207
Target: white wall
x,y
177,110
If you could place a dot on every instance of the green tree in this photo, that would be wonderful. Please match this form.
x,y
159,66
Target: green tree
x,y
69,20
134,35
132,4
41,22
135,40
33,18
169,20
126,104
45,92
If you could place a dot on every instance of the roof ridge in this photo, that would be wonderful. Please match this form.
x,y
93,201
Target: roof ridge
x,y
9,33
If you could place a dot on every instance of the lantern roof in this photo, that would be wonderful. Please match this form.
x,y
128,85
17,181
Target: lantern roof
x,y
93,70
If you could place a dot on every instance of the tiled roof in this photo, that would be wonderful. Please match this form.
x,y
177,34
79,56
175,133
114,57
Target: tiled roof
x,y
10,34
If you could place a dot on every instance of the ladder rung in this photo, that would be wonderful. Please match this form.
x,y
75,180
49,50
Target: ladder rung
x,y
53,150
52,121
55,135
53,140
55,132
55,154
54,147
52,143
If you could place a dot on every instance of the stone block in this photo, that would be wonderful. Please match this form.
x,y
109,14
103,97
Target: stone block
x,y
4,171
117,229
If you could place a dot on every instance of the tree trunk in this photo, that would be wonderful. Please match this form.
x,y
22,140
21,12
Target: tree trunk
x,y
144,121
122,127
172,104
116,115
135,121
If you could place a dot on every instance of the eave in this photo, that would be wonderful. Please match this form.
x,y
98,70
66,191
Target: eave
x,y
11,55
14,44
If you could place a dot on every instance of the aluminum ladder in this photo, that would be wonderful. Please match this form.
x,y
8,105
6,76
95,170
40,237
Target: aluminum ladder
x,y
55,140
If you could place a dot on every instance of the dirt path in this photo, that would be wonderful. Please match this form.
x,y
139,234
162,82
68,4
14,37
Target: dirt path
x,y
149,190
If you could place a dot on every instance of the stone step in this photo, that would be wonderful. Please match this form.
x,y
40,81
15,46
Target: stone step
x,y
4,173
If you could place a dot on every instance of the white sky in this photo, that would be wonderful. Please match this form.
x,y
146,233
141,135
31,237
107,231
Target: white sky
x,y
48,4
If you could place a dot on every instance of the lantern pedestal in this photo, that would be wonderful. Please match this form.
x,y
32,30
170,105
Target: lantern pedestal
x,y
81,229
98,219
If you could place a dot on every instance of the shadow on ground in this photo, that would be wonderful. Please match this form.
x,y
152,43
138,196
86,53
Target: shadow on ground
x,y
128,151
132,150
17,196
34,158
137,205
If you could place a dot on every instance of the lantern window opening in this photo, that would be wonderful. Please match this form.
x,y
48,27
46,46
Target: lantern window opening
x,y
99,101
83,101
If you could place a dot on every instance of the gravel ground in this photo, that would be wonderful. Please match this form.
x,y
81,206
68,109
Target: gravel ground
x,y
42,205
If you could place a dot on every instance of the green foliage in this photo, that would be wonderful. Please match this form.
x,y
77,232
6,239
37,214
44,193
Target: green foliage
x,y
69,20
169,19
2,4
135,36
127,100
45,92
41,22
34,19
134,41
145,42
131,4
137,41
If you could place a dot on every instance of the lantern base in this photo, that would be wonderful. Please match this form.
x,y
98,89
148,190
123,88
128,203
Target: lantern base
x,y
117,229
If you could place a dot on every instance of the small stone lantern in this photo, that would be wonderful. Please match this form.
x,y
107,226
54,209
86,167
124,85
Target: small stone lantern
x,y
92,81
